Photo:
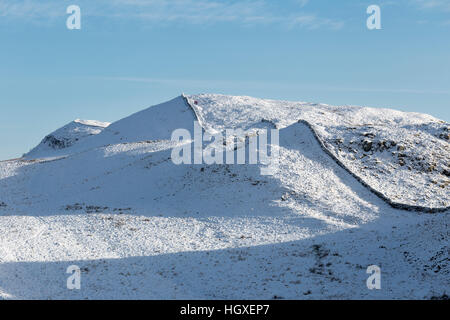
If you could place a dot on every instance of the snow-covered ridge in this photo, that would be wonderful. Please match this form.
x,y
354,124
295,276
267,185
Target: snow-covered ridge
x,y
71,134
154,123
92,123
140,226
402,157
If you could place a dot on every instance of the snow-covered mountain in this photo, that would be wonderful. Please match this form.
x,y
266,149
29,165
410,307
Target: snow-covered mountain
x,y
354,188
59,141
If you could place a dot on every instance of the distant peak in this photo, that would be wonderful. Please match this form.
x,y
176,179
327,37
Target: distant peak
x,y
92,123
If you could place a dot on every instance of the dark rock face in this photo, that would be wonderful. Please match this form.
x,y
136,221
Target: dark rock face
x,y
55,143
367,145
445,135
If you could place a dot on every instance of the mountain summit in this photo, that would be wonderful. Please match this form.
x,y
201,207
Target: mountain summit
x,y
348,193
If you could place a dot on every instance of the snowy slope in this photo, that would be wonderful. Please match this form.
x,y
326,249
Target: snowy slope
x,y
152,124
59,141
140,226
403,156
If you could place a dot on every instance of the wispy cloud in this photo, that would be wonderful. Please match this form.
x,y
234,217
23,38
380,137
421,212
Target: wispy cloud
x,y
314,22
29,9
245,12
206,83
433,4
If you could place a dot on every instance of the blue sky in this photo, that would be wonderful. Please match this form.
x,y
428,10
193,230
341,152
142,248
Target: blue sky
x,y
131,54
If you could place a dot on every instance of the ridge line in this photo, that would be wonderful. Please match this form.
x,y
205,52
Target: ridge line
x,y
379,194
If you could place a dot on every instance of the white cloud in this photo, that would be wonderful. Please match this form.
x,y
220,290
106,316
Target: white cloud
x,y
29,9
434,4
314,22
247,12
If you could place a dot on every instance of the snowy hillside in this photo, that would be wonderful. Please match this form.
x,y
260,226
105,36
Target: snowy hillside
x,y
109,199
66,137
404,156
